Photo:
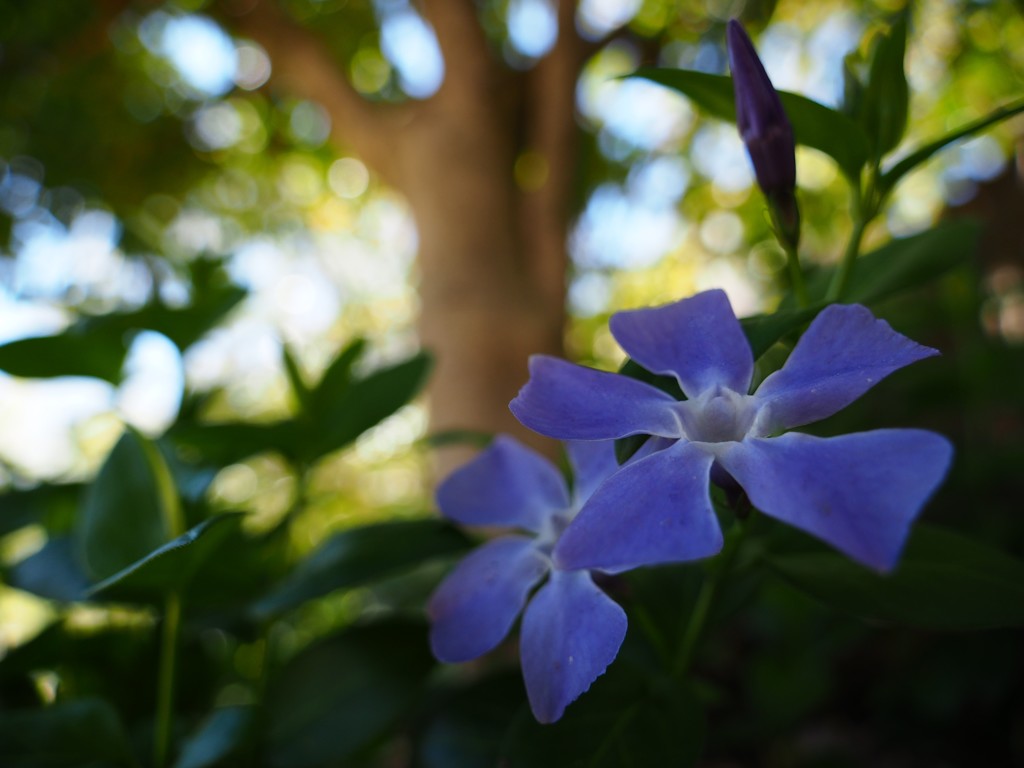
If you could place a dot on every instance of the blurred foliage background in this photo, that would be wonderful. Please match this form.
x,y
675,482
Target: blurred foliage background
x,y
192,248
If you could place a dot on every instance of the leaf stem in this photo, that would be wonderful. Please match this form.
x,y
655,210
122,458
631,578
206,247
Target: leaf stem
x,y
165,679
705,601
796,276
841,279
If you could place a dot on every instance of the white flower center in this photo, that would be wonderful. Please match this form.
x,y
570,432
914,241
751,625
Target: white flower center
x,y
719,415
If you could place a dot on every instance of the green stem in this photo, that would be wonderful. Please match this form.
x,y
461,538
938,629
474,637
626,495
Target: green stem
x,y
165,680
841,279
796,276
705,601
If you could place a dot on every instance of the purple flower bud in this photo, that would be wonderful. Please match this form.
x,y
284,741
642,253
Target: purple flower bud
x,y
760,117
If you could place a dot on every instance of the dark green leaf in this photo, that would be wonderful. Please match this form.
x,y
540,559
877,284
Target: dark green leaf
x,y
97,346
814,125
886,95
125,514
762,331
230,442
342,695
365,403
466,730
99,355
298,383
79,733
50,504
219,736
170,566
944,581
458,437
892,177
53,572
911,262
337,377
617,723
362,555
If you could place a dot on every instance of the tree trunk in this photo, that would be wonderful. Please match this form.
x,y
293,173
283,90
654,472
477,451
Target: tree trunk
x,y
492,258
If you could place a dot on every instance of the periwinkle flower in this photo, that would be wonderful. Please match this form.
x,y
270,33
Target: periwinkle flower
x,y
571,630
762,121
858,492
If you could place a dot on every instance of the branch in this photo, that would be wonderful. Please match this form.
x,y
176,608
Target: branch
x,y
304,66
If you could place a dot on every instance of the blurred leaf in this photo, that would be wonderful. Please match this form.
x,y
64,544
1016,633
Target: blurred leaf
x,y
86,732
911,262
295,379
337,377
762,331
943,581
170,566
71,353
218,737
96,346
361,555
38,505
814,124
344,694
53,572
619,722
231,442
466,729
364,403
892,177
124,515
884,109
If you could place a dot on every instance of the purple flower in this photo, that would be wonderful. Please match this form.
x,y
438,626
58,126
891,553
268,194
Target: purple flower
x,y
858,492
571,630
760,117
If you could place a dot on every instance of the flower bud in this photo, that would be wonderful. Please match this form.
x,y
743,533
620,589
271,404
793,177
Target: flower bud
x,y
763,124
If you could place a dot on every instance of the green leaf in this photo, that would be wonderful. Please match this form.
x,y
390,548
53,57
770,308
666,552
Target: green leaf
x,y
762,331
53,572
886,95
365,403
218,737
230,442
127,512
814,124
346,693
944,581
96,346
617,722
337,377
169,567
466,729
362,555
920,155
71,353
907,263
86,732
295,379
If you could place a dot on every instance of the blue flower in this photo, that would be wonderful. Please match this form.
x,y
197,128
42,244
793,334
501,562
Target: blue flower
x,y
858,492
571,630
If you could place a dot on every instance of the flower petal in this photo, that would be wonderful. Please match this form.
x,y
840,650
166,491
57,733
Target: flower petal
x,y
844,352
656,510
571,633
575,403
474,607
698,340
858,492
593,461
506,484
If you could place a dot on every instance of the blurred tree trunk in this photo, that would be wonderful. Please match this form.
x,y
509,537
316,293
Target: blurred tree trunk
x,y
492,258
